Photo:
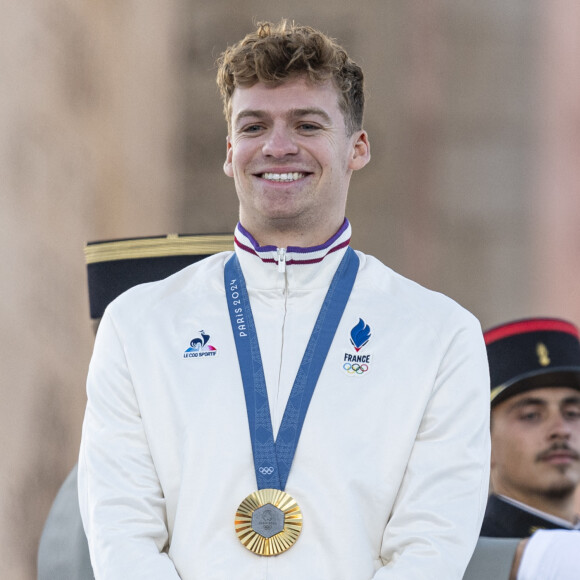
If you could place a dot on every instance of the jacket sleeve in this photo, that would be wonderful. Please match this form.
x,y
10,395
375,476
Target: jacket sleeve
x,y
436,519
120,497
551,555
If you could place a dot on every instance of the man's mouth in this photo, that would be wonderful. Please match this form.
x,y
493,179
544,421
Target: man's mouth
x,y
283,177
558,458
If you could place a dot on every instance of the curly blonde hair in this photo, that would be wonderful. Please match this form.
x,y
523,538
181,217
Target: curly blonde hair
x,y
277,52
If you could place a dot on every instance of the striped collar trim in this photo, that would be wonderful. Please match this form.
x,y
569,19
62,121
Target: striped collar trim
x,y
294,254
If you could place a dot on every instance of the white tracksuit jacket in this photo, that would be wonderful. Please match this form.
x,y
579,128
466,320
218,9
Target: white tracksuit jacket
x,y
391,470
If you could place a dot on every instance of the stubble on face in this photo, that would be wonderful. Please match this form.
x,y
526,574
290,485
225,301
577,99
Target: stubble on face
x,y
566,475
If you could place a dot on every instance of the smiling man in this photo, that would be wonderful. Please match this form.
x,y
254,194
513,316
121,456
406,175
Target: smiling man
x,y
535,427
291,156
333,423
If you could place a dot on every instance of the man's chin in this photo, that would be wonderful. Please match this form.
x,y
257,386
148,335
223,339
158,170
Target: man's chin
x,y
562,489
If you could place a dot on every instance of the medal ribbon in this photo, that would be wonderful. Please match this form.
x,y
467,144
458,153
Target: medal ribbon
x,y
273,459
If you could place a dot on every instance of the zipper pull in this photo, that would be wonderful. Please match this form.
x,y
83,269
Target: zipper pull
x,y
281,259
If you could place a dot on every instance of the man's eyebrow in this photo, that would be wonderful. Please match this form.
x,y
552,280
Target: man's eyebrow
x,y
308,111
255,113
573,400
525,402
292,114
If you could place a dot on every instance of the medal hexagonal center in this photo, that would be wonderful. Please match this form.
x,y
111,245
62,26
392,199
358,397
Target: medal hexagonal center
x,y
268,520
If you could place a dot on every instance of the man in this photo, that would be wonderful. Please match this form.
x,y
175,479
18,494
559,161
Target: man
x,y
113,266
535,427
294,409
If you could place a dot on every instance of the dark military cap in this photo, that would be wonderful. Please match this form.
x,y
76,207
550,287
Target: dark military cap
x,y
114,266
530,354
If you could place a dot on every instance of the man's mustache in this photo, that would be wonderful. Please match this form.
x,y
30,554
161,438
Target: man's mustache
x,y
556,448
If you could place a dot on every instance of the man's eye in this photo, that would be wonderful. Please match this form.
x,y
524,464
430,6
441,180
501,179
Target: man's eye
x,y
251,129
572,414
530,416
307,127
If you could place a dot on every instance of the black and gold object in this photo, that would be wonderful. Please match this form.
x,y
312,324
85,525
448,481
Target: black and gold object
x,y
268,522
532,353
114,266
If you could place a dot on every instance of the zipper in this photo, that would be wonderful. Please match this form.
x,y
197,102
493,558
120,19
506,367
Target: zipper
x,y
281,259
276,412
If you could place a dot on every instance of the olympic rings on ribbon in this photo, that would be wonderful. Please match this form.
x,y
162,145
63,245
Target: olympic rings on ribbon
x,y
266,470
355,368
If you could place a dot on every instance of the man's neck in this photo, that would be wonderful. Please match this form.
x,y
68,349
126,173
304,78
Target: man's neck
x,y
281,238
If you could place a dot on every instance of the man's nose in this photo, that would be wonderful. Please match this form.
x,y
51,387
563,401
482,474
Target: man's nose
x,y
560,427
279,143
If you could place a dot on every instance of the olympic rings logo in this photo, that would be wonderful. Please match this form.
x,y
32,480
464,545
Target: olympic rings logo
x,y
355,368
266,470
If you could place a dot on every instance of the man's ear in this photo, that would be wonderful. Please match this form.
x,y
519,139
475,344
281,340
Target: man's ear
x,y
361,151
228,169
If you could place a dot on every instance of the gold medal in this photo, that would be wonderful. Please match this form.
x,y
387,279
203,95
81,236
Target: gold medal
x,y
268,522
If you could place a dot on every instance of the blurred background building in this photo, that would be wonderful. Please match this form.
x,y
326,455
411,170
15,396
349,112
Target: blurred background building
x,y
111,126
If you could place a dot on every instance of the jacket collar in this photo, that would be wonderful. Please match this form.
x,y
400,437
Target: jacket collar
x,y
272,267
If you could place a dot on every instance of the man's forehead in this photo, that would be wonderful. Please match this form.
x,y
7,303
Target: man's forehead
x,y
544,395
295,93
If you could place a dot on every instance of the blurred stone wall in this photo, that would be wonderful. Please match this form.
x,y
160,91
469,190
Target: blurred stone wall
x,y
88,117
111,126
554,247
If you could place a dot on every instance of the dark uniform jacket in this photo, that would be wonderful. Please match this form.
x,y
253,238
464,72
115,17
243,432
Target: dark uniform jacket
x,y
505,520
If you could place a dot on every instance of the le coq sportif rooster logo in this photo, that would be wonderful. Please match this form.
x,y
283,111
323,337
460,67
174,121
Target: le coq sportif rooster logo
x,y
199,343
199,346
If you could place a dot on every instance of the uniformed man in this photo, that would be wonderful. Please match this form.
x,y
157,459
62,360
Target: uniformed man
x,y
113,266
535,377
535,427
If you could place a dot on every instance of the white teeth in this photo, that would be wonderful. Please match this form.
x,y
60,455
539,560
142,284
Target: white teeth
x,y
282,176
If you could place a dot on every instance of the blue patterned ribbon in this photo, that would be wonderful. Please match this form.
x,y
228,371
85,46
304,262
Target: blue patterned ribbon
x,y
272,460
